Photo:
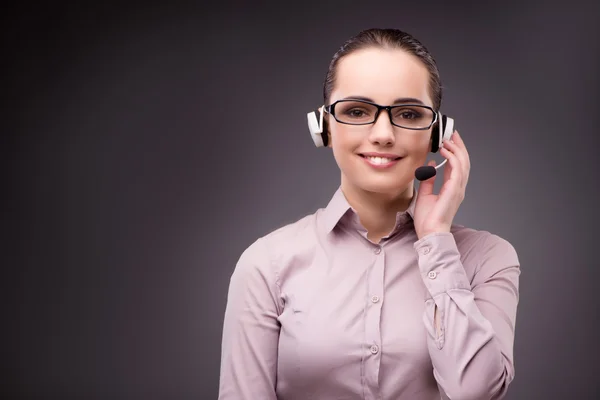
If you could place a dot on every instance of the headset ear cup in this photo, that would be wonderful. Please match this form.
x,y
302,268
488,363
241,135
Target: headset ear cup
x,y
448,128
324,134
436,132
315,126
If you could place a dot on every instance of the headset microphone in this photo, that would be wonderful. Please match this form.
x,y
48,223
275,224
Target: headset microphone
x,y
428,171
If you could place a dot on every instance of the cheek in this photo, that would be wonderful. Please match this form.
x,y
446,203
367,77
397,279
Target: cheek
x,y
343,145
339,149
343,140
417,144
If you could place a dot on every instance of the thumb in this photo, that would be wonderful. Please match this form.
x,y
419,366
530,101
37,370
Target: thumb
x,y
426,187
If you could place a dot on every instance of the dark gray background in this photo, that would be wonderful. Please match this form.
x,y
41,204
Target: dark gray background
x,y
146,146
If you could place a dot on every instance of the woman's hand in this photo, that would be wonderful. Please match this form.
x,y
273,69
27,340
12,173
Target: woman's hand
x,y
435,212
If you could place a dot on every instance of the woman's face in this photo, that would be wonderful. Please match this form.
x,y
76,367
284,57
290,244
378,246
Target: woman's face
x,y
384,76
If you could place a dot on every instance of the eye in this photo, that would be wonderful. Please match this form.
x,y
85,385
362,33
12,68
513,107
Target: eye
x,y
408,114
355,113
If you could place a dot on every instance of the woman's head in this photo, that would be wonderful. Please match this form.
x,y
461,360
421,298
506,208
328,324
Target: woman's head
x,y
386,39
386,67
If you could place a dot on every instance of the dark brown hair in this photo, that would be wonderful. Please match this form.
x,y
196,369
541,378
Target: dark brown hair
x,y
390,39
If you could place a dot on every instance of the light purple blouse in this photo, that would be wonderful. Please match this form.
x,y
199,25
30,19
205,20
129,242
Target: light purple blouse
x,y
317,311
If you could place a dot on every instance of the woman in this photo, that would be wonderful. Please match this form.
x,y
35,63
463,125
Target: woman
x,y
379,295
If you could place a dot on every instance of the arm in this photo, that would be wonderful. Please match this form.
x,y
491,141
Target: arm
x,y
470,328
250,329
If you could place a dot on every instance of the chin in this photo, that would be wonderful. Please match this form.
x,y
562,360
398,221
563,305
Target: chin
x,y
384,186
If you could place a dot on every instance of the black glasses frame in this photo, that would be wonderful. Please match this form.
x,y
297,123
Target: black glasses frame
x,y
331,110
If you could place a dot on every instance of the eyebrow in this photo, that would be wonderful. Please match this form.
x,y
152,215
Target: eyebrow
x,y
400,100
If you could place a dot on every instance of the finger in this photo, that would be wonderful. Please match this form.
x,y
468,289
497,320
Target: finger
x,y
461,154
457,138
426,187
455,150
447,171
456,173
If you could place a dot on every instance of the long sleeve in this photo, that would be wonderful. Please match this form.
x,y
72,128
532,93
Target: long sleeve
x,y
250,329
470,325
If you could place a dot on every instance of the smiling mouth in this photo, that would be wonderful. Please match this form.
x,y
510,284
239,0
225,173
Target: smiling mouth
x,y
380,160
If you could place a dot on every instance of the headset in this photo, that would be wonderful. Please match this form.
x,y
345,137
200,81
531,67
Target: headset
x,y
441,131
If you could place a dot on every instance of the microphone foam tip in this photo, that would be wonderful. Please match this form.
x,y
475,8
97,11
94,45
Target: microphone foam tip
x,y
424,173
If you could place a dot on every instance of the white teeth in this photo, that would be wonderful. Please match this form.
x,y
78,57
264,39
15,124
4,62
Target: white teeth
x,y
379,160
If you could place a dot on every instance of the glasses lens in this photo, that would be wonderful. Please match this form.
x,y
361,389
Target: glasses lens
x,y
355,112
413,117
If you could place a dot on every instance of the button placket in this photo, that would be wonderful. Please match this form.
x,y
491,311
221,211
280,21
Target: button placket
x,y
373,302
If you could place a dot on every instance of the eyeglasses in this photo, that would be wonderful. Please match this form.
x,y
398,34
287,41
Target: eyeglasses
x,y
360,112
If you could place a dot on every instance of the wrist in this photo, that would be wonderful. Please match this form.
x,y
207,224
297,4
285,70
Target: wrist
x,y
434,230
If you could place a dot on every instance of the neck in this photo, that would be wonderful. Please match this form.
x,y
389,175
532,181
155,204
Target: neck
x,y
377,211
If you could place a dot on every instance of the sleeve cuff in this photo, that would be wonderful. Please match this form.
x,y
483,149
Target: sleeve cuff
x,y
439,263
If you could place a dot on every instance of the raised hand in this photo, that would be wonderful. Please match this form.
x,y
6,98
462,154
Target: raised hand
x,y
435,212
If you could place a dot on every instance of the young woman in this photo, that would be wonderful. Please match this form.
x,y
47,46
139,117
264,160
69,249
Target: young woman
x,y
379,295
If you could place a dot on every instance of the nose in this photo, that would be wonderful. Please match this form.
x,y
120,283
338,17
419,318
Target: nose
x,y
382,130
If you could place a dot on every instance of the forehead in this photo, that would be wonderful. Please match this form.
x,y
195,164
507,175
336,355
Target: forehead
x,y
382,75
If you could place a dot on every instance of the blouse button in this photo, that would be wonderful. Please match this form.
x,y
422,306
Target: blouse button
x,y
375,299
377,250
374,349
432,274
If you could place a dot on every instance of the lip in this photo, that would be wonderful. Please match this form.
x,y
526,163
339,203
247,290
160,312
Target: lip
x,y
383,155
394,161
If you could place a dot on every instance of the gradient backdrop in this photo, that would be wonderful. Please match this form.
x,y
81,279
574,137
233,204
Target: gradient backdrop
x,y
145,147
